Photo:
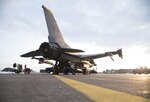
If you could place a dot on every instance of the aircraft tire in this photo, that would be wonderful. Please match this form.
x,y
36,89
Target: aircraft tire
x,y
55,71
65,71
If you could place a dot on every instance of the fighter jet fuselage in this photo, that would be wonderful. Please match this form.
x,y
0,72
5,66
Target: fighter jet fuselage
x,y
57,49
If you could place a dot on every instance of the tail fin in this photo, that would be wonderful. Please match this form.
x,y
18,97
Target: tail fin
x,y
55,35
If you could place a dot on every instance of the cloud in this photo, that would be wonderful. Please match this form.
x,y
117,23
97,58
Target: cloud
x,y
94,26
109,23
21,31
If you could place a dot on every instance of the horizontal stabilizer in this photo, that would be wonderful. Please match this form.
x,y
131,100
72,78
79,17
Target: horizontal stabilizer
x,y
70,50
31,54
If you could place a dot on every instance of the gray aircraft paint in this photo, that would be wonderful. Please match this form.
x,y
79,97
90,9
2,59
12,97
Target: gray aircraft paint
x,y
55,35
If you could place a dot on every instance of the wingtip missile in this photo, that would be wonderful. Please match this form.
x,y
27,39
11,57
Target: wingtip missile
x,y
120,53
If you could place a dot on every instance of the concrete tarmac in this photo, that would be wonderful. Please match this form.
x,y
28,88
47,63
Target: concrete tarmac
x,y
47,88
135,84
37,88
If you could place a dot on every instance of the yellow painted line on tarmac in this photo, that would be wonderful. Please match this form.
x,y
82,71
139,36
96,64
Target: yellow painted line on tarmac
x,y
99,94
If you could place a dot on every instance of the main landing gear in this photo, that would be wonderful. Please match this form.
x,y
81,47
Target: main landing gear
x,y
63,67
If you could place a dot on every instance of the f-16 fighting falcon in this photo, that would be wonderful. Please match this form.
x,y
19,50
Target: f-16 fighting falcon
x,y
66,58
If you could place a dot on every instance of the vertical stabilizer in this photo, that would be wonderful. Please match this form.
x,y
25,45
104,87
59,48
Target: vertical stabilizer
x,y
55,35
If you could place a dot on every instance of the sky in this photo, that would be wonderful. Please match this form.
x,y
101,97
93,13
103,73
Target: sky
x,y
95,26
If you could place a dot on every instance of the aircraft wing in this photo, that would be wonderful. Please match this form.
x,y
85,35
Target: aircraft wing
x,y
95,56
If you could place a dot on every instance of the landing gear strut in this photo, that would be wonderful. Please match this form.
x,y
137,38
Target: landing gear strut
x,y
55,70
63,67
66,70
